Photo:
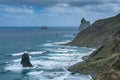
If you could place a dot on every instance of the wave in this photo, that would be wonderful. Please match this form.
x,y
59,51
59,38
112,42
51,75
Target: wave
x,y
35,73
48,75
48,44
56,61
37,52
61,50
58,50
62,42
16,60
52,65
17,67
57,76
31,53
17,54
68,35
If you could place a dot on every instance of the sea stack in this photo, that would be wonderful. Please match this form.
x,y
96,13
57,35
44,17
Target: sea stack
x,y
84,24
26,60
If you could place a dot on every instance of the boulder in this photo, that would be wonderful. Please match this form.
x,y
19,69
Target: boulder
x,y
26,60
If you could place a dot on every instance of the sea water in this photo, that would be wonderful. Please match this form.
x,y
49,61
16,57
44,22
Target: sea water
x,y
49,58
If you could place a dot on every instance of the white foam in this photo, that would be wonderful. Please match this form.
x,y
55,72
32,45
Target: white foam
x,y
16,60
17,54
31,53
47,75
67,54
16,67
68,35
58,61
62,42
48,44
36,52
78,77
63,77
45,64
58,50
35,73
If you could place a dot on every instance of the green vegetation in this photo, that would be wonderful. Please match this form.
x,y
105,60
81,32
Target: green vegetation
x,y
98,33
104,63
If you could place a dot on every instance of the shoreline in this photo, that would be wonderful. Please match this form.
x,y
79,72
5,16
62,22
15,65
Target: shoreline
x,y
76,65
104,62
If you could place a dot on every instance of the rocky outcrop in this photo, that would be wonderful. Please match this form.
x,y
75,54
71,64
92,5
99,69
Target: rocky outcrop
x,y
26,60
43,28
98,33
104,63
84,24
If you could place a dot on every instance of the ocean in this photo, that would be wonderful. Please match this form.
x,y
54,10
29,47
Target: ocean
x,y
49,58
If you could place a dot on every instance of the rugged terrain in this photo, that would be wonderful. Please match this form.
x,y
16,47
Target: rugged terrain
x,y
98,33
84,24
104,63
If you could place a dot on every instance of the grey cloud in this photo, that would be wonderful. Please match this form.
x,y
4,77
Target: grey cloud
x,y
95,5
46,3
85,2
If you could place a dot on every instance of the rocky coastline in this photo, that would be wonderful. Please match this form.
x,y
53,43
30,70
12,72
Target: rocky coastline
x,y
97,33
104,63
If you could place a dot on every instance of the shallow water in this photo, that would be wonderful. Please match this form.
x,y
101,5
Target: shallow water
x,y
50,59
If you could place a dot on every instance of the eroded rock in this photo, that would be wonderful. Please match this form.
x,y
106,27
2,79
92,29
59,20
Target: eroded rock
x,y
26,60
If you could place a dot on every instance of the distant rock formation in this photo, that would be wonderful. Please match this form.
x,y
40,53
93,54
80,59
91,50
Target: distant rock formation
x,y
84,24
26,60
43,27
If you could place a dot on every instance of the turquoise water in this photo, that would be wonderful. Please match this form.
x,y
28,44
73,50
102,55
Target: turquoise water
x,y
50,59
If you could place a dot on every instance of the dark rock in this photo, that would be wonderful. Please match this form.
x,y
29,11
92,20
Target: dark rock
x,y
26,60
43,27
84,24
72,73
117,33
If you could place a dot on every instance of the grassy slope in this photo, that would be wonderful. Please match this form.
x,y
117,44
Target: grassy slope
x,y
98,33
104,63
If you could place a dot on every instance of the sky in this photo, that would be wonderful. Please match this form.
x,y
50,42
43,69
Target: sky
x,y
55,12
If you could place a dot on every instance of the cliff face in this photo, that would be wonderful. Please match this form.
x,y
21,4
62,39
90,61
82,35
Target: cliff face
x,y
98,33
104,63
84,24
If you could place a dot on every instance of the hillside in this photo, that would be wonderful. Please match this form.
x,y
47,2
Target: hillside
x,y
98,33
104,63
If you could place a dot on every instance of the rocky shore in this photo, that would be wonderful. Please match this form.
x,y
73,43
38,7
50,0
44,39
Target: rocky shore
x,y
104,63
98,33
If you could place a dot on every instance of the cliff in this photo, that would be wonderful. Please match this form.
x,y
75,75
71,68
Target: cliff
x,y
84,24
98,33
104,63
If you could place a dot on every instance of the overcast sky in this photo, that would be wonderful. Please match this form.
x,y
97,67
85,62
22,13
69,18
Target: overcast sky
x,y
55,12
